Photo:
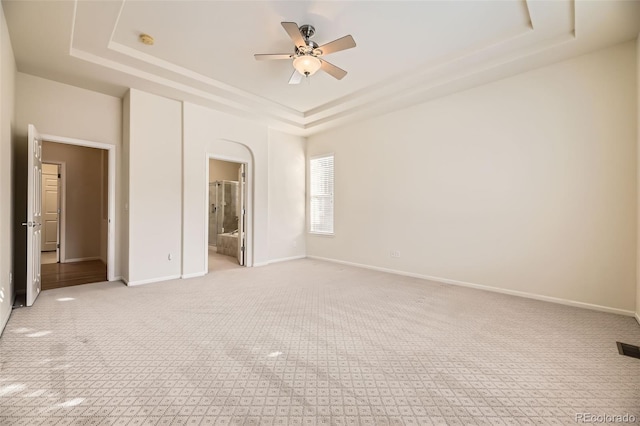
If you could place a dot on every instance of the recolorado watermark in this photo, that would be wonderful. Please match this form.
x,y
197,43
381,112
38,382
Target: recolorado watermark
x,y
605,418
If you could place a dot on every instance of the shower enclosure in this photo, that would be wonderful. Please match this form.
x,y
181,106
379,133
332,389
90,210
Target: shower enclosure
x,y
223,209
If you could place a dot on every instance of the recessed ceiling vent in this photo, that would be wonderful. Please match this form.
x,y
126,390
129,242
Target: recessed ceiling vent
x,y
628,350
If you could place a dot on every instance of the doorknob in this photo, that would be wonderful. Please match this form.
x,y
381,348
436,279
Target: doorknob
x,y
31,224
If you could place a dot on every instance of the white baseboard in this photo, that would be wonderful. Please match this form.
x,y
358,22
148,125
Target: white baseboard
x,y
286,259
5,319
193,275
524,294
118,279
81,259
282,259
152,280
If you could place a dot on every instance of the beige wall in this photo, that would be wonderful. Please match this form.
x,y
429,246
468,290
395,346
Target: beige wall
x,y
83,201
7,138
155,187
67,111
287,237
275,167
527,185
223,170
212,133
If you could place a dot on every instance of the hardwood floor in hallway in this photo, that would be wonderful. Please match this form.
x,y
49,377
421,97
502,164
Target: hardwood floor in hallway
x,y
56,275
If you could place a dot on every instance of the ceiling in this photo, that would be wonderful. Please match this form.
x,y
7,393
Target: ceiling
x,y
407,51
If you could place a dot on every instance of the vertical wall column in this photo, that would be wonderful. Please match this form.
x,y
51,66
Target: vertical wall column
x,y
7,139
638,183
154,158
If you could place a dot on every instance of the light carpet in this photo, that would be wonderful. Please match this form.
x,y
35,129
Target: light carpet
x,y
305,343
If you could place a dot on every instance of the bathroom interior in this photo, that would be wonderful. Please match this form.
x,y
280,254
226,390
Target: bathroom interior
x,y
224,210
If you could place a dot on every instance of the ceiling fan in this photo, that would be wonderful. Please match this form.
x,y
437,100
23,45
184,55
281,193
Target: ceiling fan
x,y
306,57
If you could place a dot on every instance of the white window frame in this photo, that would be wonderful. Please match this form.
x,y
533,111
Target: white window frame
x,y
330,196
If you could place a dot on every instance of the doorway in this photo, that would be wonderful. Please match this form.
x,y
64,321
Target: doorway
x,y
226,224
74,206
51,195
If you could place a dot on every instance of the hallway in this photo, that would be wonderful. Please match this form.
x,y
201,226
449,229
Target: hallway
x,y
56,275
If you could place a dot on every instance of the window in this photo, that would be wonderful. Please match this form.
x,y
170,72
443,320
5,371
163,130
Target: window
x,y
321,189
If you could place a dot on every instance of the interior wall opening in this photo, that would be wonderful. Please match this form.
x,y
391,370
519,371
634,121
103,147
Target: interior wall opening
x,y
51,210
75,215
226,215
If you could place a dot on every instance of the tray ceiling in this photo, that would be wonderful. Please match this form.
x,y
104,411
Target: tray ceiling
x,y
407,51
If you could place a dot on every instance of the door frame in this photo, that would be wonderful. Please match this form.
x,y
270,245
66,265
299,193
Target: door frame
x,y
248,206
62,205
111,198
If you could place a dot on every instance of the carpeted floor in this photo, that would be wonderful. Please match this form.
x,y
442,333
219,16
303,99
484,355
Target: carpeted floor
x,y
308,342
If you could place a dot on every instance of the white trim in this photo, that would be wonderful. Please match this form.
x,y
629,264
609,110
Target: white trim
x,y
193,275
5,321
257,264
286,259
111,183
524,294
152,280
82,259
63,212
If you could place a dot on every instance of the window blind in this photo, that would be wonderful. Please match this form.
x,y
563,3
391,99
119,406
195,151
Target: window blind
x,y
321,191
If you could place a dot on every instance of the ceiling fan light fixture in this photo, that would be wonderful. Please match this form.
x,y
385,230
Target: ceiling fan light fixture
x,y
306,64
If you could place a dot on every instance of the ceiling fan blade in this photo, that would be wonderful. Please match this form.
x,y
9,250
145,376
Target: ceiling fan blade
x,y
332,70
296,78
343,43
294,32
269,57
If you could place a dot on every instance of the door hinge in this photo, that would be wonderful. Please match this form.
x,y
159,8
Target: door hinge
x,y
59,175
57,245
242,248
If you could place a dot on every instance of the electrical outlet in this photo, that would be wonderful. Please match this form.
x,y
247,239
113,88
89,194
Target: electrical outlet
x,y
395,253
169,256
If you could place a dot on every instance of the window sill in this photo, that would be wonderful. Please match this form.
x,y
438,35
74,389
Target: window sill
x,y
322,234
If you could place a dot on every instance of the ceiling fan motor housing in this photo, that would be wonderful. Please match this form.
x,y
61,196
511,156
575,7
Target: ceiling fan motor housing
x,y
307,31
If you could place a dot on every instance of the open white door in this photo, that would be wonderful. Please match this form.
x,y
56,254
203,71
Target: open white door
x,y
241,215
34,214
